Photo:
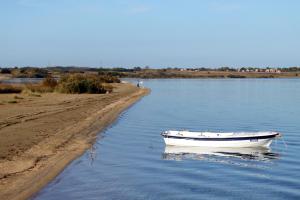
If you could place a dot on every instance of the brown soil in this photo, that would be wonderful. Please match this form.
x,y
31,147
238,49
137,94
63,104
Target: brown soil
x,y
40,135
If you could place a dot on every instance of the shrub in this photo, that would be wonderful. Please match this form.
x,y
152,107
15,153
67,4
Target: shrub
x,y
4,88
50,82
48,85
72,83
30,72
109,77
5,71
78,83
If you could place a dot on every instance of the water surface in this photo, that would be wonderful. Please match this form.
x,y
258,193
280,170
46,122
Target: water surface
x,y
22,80
130,160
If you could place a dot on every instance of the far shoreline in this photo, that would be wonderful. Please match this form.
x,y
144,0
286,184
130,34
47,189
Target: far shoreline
x,y
151,73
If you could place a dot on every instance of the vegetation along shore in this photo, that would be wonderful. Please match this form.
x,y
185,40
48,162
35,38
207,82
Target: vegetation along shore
x,y
147,72
44,126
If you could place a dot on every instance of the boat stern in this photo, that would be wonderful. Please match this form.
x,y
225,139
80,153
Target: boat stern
x,y
278,135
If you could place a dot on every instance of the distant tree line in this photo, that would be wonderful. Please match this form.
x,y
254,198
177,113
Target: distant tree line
x,y
42,72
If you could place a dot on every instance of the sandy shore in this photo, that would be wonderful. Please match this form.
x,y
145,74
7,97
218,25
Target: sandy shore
x,y
40,135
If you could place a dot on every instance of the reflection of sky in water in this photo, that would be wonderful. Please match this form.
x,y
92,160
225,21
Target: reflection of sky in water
x,y
231,156
130,161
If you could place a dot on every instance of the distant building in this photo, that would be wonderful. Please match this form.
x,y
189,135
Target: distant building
x,y
272,70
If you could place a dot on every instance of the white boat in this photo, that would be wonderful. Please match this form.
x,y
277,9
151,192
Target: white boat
x,y
222,139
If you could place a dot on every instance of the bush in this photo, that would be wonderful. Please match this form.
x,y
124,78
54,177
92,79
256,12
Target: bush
x,y
4,89
109,77
74,84
48,85
30,72
5,71
78,83
50,82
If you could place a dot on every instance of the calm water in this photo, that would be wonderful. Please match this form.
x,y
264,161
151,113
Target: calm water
x,y
23,80
130,161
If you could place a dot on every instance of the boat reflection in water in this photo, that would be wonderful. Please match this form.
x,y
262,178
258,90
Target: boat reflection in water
x,y
208,153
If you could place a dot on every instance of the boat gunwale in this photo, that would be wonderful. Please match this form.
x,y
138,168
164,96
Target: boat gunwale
x,y
275,134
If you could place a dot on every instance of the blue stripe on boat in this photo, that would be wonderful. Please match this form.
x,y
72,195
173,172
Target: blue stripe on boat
x,y
224,139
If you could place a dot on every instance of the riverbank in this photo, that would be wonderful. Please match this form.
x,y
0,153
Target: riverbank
x,y
41,134
152,73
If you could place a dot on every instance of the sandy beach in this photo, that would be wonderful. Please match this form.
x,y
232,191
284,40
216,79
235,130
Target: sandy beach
x,y
41,134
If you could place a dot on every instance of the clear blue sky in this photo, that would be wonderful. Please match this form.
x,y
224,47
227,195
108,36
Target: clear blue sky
x,y
158,33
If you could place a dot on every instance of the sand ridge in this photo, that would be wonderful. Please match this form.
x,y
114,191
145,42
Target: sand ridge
x,y
39,136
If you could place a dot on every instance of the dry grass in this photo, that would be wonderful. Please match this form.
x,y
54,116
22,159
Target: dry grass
x,y
18,97
78,83
38,88
74,84
50,82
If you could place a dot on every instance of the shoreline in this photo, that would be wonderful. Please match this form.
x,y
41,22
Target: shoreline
x,y
171,74
24,175
188,74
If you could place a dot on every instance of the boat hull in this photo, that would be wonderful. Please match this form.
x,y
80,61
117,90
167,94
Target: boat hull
x,y
265,142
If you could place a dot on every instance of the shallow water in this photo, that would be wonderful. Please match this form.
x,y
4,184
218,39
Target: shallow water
x,y
23,80
130,161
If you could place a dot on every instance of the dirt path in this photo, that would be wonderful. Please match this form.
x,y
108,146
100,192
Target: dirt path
x,y
39,136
